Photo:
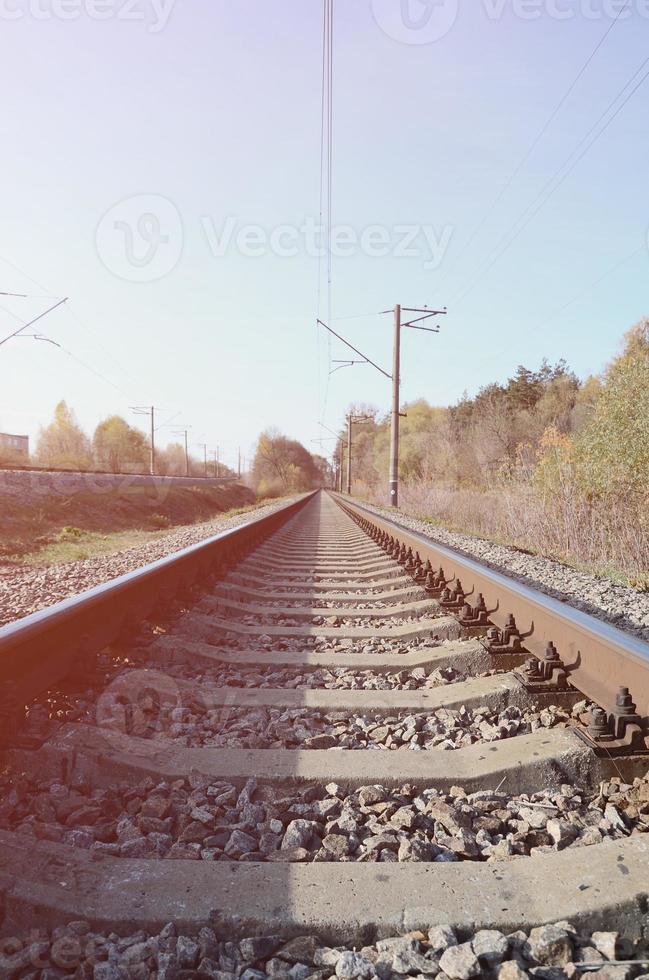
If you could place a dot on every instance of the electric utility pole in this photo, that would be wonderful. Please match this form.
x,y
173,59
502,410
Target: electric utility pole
x,y
150,411
183,432
393,485
239,465
349,453
350,421
334,463
203,446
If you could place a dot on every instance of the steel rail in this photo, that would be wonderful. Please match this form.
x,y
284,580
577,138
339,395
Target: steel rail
x,y
41,649
599,657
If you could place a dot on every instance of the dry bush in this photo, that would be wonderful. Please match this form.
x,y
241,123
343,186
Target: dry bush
x,y
562,525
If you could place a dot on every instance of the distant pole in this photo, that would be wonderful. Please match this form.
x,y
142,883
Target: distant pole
x,y
152,440
203,445
186,456
239,464
349,453
150,411
394,429
217,462
415,324
350,421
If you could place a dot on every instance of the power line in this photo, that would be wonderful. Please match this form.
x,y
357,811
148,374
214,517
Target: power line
x,y
34,320
102,347
71,311
548,190
321,196
590,286
18,333
326,180
359,316
28,277
366,360
535,142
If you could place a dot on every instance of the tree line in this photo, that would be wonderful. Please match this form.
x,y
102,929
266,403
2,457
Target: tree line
x,y
281,466
114,447
543,459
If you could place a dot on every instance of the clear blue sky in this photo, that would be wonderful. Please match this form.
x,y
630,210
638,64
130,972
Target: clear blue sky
x,y
208,116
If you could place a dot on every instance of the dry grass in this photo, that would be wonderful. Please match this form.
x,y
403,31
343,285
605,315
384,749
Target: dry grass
x,y
75,544
32,523
609,540
87,544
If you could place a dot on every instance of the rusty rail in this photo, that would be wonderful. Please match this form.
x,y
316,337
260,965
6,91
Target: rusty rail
x,y
38,651
598,658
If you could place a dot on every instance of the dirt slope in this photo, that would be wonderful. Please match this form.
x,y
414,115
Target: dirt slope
x,y
29,525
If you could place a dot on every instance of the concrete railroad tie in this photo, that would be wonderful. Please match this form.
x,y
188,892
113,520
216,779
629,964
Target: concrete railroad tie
x,y
394,840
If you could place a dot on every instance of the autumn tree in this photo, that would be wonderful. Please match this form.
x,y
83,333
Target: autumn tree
x,y
283,466
613,450
119,447
63,444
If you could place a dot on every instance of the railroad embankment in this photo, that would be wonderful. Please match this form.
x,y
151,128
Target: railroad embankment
x,y
79,560
58,516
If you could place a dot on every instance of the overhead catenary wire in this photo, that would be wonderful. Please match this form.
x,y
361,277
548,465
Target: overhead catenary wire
x,y
70,310
320,206
366,359
74,357
32,321
101,346
588,288
557,179
535,142
326,185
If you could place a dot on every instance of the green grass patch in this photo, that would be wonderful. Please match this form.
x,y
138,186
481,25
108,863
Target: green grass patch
x,y
87,544
74,544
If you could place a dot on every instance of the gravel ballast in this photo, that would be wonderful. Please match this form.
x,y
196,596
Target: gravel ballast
x,y
324,678
551,951
300,728
610,601
199,818
26,590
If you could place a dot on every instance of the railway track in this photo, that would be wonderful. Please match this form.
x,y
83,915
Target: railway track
x,y
321,745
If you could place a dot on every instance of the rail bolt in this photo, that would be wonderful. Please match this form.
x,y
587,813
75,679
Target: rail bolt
x,y
624,702
598,723
532,668
551,653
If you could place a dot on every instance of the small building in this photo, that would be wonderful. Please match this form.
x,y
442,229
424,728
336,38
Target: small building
x,y
14,446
